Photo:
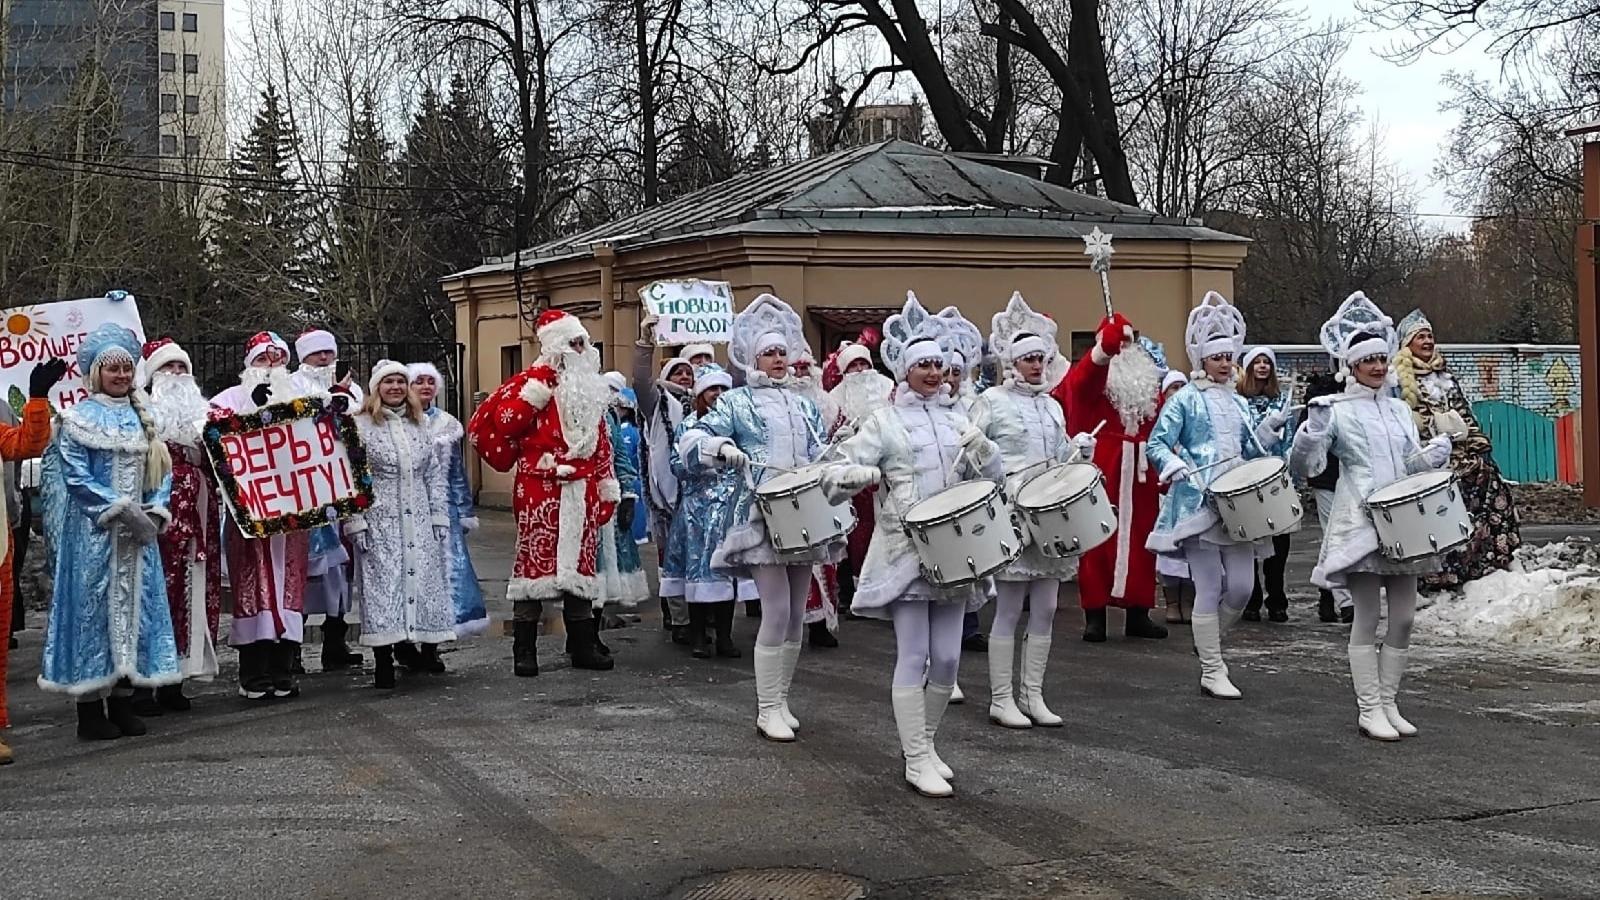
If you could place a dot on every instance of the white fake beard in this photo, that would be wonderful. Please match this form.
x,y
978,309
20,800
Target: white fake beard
x,y
859,393
321,376
280,386
808,386
177,408
582,397
1132,385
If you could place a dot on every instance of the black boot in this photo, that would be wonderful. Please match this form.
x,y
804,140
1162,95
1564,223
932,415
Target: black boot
x,y
170,696
599,626
1347,615
1094,625
1252,610
383,668
406,654
430,659
585,654
144,703
93,724
283,656
295,665
254,681
752,609
666,615
524,648
1137,623
722,615
821,636
336,654
1272,571
1325,610
119,710
699,622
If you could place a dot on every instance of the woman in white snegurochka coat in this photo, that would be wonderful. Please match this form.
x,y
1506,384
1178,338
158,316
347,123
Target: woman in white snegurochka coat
x,y
1375,439
405,595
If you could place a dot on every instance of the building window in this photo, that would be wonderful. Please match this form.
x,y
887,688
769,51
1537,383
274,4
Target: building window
x,y
510,361
191,64
169,62
169,103
191,104
167,23
169,145
191,22
1081,342
191,146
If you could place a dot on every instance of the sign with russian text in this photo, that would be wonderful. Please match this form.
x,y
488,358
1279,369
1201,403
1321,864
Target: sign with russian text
x,y
690,310
287,467
30,335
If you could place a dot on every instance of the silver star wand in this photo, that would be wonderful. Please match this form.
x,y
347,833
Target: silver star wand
x,y
1097,246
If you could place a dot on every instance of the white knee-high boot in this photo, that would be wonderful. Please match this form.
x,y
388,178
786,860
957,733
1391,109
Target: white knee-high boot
x,y
1208,646
1227,617
1035,656
769,694
1369,700
911,720
935,700
1391,668
791,658
1003,709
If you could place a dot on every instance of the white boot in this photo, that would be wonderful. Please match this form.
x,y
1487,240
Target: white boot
x,y
956,696
911,719
791,658
1002,701
1035,655
1369,700
769,694
935,699
1227,617
1208,646
1391,668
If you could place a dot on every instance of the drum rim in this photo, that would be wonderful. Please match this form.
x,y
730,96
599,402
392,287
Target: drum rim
x,y
1443,549
1414,495
1098,480
1281,470
952,514
965,582
814,479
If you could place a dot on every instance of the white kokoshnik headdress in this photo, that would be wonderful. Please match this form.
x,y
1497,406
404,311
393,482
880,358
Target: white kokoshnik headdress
x,y
766,323
1358,330
1215,326
911,336
962,341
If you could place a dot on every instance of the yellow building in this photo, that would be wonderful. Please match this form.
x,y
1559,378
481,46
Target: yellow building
x,y
842,237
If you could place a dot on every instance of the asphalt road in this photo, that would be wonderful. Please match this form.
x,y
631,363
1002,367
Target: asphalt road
x,y
650,782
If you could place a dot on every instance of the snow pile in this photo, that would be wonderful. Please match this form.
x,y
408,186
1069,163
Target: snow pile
x,y
1549,600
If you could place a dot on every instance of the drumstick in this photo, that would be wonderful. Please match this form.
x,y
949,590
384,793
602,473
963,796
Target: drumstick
x,y
1078,451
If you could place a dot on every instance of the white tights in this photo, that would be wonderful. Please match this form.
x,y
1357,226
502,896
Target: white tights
x,y
1040,595
926,635
783,591
1401,591
1223,574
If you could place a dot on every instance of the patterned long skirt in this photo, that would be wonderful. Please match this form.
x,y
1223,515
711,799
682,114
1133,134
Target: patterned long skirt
x,y
1496,530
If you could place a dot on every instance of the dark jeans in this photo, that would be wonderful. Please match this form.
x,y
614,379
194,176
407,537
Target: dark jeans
x,y
1271,571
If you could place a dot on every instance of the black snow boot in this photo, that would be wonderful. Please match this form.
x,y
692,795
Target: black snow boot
x,y
722,614
93,724
583,647
120,711
524,649
1138,624
1094,626
336,654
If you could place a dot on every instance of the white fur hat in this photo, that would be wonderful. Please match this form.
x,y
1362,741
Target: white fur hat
x,y
849,353
417,370
384,369
315,340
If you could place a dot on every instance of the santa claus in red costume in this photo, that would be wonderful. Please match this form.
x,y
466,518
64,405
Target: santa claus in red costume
x,y
1118,383
548,422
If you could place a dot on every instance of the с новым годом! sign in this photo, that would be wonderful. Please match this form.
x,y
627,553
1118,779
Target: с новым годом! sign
x,y
690,310
288,467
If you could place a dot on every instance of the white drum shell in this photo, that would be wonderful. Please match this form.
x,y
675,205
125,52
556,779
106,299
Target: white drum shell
x,y
1257,500
798,515
1419,516
1066,511
961,543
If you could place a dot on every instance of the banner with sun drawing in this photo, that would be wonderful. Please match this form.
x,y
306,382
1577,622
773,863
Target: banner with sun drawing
x,y
30,335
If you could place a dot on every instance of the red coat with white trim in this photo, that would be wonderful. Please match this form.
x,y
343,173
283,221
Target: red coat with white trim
x,y
565,487
1119,572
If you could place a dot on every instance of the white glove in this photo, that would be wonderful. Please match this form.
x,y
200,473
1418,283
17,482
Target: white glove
x,y
1275,421
1319,415
978,447
843,433
647,329
1175,469
441,533
139,525
1437,451
857,478
971,437
470,524
1085,443
733,456
1450,422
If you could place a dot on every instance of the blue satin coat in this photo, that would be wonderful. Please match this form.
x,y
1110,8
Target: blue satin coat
x,y
471,615
109,617
1184,430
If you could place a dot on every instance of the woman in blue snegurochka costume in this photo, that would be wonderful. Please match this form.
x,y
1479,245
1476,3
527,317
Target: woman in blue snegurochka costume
x,y
1203,431
1375,439
1260,388
705,513
105,483
760,425
622,582
471,615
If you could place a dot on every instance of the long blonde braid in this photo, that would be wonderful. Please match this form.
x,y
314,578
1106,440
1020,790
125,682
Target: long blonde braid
x,y
157,459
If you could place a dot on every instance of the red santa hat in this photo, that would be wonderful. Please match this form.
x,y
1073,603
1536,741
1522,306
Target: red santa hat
x,y
160,352
260,343
315,340
556,330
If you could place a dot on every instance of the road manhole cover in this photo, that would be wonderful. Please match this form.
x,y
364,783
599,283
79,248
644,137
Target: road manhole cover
x,y
776,884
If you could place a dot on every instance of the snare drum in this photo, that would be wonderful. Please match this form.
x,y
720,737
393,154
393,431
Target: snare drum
x,y
1419,516
1257,500
1066,510
798,514
963,533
